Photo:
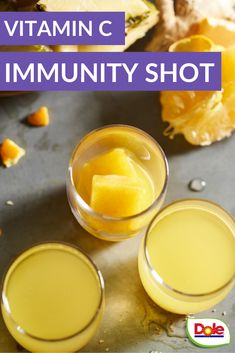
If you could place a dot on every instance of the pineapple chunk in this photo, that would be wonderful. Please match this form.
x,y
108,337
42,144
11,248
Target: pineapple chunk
x,y
114,162
117,196
10,153
39,118
141,15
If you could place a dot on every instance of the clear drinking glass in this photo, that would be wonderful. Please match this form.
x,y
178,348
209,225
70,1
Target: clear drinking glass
x,y
145,149
200,256
52,298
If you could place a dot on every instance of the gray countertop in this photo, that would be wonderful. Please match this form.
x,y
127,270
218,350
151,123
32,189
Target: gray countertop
x,y
132,323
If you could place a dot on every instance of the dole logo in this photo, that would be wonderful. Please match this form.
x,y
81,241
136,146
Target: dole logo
x,y
207,332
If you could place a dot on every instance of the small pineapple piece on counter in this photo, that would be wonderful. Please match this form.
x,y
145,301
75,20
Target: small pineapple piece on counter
x,y
39,118
10,153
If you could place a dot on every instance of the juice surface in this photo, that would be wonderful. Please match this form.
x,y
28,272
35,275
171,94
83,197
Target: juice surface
x,y
193,251
121,173
53,293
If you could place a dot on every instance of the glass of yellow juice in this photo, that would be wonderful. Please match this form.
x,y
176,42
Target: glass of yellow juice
x,y
117,181
187,257
52,298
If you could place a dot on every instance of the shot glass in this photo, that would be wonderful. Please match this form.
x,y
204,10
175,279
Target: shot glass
x,y
52,298
146,151
187,257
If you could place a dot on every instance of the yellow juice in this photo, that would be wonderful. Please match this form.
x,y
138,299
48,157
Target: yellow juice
x,y
187,259
117,181
52,299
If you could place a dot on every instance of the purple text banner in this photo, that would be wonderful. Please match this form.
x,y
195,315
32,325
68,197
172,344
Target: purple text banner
x,y
61,28
110,71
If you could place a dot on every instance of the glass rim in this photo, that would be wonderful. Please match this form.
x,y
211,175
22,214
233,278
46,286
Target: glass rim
x,y
155,273
7,307
104,217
